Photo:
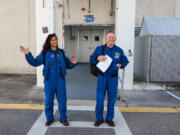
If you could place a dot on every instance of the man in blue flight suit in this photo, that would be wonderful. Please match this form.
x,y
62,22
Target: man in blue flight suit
x,y
55,64
108,80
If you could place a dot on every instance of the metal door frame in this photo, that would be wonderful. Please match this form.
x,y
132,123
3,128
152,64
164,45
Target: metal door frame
x,y
87,28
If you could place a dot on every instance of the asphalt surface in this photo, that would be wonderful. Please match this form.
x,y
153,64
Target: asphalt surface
x,y
78,131
81,90
17,122
21,122
153,123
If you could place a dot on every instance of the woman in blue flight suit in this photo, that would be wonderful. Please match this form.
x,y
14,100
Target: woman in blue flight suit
x,y
55,64
108,80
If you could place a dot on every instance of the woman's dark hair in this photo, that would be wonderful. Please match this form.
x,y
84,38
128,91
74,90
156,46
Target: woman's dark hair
x,y
47,45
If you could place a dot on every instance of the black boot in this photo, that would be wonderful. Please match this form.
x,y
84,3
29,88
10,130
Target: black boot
x,y
110,123
64,122
49,122
98,123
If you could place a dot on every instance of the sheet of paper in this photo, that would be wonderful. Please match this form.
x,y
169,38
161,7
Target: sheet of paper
x,y
104,65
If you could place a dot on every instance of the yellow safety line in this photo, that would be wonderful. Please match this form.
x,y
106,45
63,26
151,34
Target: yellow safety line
x,y
149,109
122,109
21,106
178,109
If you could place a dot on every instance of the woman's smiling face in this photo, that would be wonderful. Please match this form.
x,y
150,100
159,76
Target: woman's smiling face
x,y
53,42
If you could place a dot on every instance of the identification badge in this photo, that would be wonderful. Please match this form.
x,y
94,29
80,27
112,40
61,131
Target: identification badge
x,y
116,55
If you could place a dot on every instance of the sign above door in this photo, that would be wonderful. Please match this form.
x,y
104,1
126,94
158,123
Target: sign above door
x,y
89,18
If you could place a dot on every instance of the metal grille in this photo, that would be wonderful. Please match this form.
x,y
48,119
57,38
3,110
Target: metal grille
x,y
137,31
165,59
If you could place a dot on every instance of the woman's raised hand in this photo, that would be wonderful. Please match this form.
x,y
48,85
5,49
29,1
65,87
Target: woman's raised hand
x,y
24,50
73,59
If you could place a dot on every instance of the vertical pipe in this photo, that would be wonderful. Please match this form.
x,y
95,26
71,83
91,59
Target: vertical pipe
x,y
43,3
29,30
78,44
62,26
68,8
111,10
54,15
149,59
89,6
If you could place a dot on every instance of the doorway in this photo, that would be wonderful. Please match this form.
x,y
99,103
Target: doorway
x,y
89,39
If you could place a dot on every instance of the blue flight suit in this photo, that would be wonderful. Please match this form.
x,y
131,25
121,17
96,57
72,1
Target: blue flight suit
x,y
54,80
108,81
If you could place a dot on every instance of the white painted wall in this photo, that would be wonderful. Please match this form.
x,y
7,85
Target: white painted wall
x,y
44,18
59,14
17,27
124,28
99,8
177,8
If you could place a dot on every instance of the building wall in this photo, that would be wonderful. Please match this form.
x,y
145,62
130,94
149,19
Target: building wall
x,y
101,11
156,8
177,8
17,27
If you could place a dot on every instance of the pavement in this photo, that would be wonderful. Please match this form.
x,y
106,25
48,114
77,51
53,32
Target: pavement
x,y
139,112
22,119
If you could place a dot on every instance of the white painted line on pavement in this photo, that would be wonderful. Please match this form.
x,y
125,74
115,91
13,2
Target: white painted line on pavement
x,y
121,127
80,124
83,108
170,93
39,127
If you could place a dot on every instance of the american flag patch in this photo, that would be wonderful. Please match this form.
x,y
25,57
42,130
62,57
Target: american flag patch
x,y
52,55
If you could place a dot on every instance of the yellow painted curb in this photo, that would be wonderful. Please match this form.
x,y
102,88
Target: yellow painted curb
x,y
178,109
22,106
122,109
149,109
